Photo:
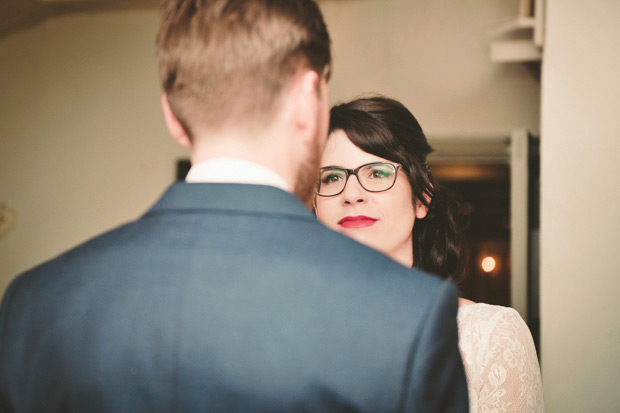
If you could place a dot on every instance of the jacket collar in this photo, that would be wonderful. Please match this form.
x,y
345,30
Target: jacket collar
x,y
242,198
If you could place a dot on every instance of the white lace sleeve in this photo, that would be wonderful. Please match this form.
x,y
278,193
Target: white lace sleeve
x,y
500,360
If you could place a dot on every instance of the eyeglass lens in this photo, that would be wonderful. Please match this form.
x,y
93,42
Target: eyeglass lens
x,y
375,177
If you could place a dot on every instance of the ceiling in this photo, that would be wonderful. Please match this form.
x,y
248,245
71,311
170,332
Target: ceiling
x,y
17,14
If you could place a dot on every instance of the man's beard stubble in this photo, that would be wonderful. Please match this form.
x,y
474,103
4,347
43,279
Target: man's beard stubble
x,y
308,175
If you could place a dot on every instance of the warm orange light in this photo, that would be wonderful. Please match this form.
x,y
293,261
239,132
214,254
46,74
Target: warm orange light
x,y
488,264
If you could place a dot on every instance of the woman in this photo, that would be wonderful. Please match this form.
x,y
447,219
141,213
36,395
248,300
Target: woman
x,y
375,187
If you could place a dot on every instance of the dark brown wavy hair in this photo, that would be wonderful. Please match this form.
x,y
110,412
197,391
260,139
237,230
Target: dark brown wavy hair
x,y
386,128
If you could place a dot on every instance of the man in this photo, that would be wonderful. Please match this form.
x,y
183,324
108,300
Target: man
x,y
228,295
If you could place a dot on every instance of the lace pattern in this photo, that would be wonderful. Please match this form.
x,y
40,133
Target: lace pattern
x,y
500,360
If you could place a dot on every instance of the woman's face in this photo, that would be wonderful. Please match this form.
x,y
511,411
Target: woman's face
x,y
381,220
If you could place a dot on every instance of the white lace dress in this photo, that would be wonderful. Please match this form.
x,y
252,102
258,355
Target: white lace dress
x,y
500,360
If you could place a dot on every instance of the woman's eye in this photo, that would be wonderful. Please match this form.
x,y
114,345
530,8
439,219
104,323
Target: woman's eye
x,y
380,173
331,178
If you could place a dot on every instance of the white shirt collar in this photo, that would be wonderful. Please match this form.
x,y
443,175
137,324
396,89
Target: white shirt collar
x,y
235,170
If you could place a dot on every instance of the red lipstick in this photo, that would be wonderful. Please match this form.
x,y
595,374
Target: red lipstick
x,y
359,221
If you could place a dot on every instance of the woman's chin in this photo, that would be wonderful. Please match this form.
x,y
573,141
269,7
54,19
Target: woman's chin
x,y
364,238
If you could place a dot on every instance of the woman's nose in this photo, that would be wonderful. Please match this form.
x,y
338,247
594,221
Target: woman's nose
x,y
353,191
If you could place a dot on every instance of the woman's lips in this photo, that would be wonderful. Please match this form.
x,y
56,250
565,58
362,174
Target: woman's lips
x,y
359,221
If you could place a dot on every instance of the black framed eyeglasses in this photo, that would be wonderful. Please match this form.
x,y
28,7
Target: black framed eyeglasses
x,y
373,177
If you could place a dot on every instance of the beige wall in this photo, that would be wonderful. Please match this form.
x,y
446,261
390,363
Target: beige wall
x,y
580,206
83,146
434,56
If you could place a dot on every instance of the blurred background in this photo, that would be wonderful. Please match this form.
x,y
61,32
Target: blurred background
x,y
520,98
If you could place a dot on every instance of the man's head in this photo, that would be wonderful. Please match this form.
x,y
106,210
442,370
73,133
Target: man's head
x,y
226,63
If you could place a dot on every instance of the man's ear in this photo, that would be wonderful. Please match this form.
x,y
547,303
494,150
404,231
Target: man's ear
x,y
307,105
175,129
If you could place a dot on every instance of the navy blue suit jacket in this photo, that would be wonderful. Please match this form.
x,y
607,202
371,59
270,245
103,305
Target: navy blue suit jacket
x,y
231,298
